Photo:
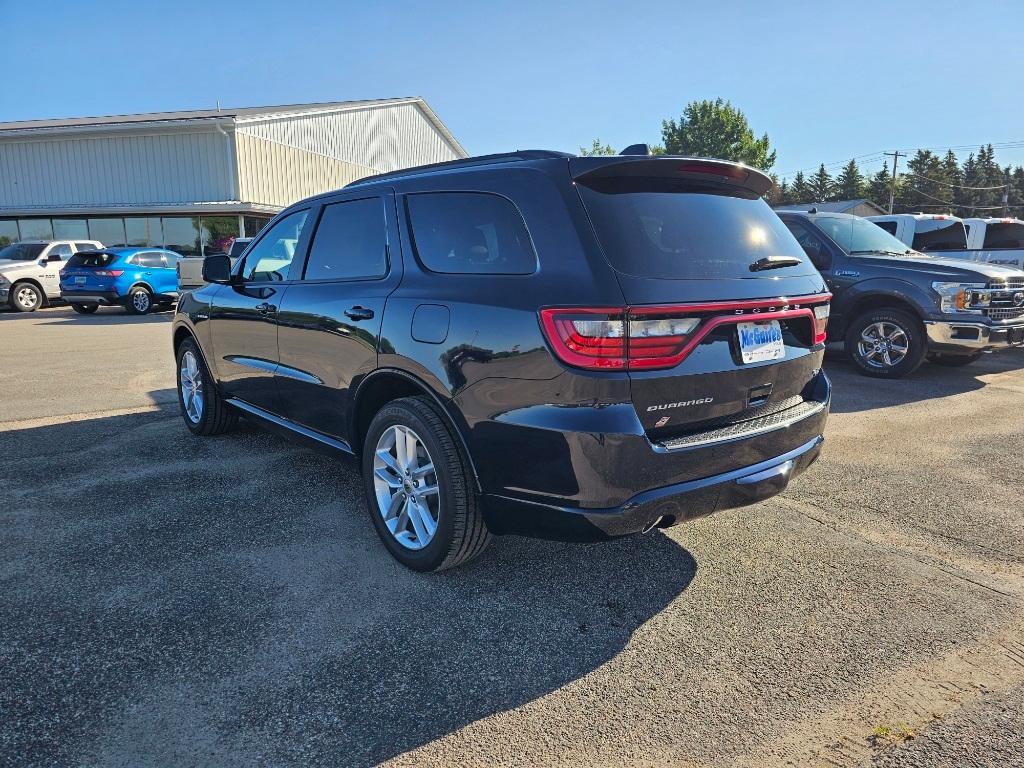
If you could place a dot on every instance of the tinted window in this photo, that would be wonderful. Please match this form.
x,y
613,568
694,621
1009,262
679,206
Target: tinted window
x,y
652,227
888,226
84,246
811,243
470,233
63,250
149,259
271,257
238,246
92,259
940,235
350,242
22,251
858,236
1008,235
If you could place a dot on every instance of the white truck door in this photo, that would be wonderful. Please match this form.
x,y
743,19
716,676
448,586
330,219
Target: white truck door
x,y
55,258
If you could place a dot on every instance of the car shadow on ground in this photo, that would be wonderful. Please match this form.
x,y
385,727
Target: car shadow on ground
x,y
103,316
853,392
170,599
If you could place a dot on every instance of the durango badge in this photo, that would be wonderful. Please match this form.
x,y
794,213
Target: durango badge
x,y
682,404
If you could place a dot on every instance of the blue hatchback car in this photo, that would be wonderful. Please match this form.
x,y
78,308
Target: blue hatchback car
x,y
138,279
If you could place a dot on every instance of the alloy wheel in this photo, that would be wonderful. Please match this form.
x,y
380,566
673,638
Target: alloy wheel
x,y
883,345
141,301
405,483
191,387
27,297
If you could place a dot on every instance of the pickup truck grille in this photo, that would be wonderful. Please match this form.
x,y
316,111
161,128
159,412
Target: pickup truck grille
x,y
1003,307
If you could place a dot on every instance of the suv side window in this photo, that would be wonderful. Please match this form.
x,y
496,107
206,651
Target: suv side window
x,y
470,233
147,259
888,226
271,257
63,251
816,250
85,247
350,242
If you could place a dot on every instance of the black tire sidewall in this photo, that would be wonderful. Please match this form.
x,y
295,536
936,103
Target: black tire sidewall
x,y
130,302
17,288
199,428
434,554
911,326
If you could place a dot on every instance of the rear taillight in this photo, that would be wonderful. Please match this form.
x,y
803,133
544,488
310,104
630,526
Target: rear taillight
x,y
108,272
821,312
609,339
647,338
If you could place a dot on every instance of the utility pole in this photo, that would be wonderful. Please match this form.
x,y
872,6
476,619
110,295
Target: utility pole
x,y
892,189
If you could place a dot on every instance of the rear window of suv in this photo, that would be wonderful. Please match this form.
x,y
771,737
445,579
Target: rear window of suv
x,y
470,233
665,228
940,235
92,259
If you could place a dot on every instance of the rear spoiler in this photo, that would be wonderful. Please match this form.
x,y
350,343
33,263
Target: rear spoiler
x,y
584,169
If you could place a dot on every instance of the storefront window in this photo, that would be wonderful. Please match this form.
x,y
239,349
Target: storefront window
x,y
8,232
70,229
181,234
110,232
218,233
253,224
35,229
143,230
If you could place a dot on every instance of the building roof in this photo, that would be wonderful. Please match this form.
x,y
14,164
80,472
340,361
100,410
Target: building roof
x,y
226,113
835,206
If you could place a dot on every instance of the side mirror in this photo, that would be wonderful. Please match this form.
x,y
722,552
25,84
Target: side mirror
x,y
217,269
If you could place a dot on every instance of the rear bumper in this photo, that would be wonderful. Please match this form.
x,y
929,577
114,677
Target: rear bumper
x,y
642,484
973,337
105,298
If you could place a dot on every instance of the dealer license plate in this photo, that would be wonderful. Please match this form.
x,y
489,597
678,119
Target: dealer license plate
x,y
760,341
79,281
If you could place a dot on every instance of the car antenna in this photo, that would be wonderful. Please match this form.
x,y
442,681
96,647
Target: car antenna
x,y
636,149
812,209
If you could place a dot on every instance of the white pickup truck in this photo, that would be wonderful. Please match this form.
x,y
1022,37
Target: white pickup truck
x,y
991,240
30,271
190,268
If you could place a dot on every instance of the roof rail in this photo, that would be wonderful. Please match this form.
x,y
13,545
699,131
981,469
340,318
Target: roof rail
x,y
468,162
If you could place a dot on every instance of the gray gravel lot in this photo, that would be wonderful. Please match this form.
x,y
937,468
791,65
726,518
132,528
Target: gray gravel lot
x,y
168,600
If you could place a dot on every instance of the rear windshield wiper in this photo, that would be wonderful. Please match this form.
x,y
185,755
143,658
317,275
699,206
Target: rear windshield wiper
x,y
774,262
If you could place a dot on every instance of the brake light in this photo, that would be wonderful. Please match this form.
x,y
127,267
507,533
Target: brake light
x,y
821,313
716,169
108,272
611,339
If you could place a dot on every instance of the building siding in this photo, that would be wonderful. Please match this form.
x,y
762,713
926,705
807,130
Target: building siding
x,y
127,169
282,159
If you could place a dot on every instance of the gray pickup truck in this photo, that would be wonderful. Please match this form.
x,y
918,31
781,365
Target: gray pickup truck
x,y
190,268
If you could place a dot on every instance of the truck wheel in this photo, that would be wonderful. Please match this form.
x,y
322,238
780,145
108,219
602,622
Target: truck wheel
x,y
26,297
85,309
203,409
419,488
140,301
886,343
952,361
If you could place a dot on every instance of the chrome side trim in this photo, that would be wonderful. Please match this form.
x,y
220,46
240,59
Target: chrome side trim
x,y
291,426
295,373
252,362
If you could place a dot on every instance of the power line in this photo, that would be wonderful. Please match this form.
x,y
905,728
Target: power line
x,y
952,204
954,186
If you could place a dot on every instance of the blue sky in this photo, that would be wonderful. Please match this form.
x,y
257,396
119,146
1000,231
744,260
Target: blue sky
x,y
827,81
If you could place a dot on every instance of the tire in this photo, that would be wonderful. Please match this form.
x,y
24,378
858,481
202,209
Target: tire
x,y
26,297
213,416
879,355
460,533
953,361
85,309
139,301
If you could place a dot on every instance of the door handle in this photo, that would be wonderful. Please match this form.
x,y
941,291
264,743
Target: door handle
x,y
359,313
266,309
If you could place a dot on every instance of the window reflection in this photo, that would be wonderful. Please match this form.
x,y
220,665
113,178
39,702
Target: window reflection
x,y
143,230
110,232
218,233
70,229
181,234
35,229
8,232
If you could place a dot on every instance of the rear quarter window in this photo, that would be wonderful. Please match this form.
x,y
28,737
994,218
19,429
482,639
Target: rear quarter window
x,y
665,228
470,233
1004,235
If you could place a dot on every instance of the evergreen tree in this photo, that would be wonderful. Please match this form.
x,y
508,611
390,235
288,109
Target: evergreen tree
x,y
801,191
850,183
822,185
926,187
878,187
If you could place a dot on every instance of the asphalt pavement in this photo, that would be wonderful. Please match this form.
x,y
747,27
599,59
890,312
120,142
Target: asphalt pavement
x,y
169,600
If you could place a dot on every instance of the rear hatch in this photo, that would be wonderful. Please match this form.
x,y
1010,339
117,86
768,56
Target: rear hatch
x,y
91,271
725,314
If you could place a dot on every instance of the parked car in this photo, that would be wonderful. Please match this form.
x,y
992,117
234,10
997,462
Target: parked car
x,y
894,306
30,271
578,347
137,279
190,269
996,241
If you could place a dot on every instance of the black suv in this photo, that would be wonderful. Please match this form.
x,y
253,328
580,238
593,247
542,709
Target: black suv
x,y
895,307
535,343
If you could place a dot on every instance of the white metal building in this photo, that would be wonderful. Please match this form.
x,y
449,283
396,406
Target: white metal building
x,y
192,180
